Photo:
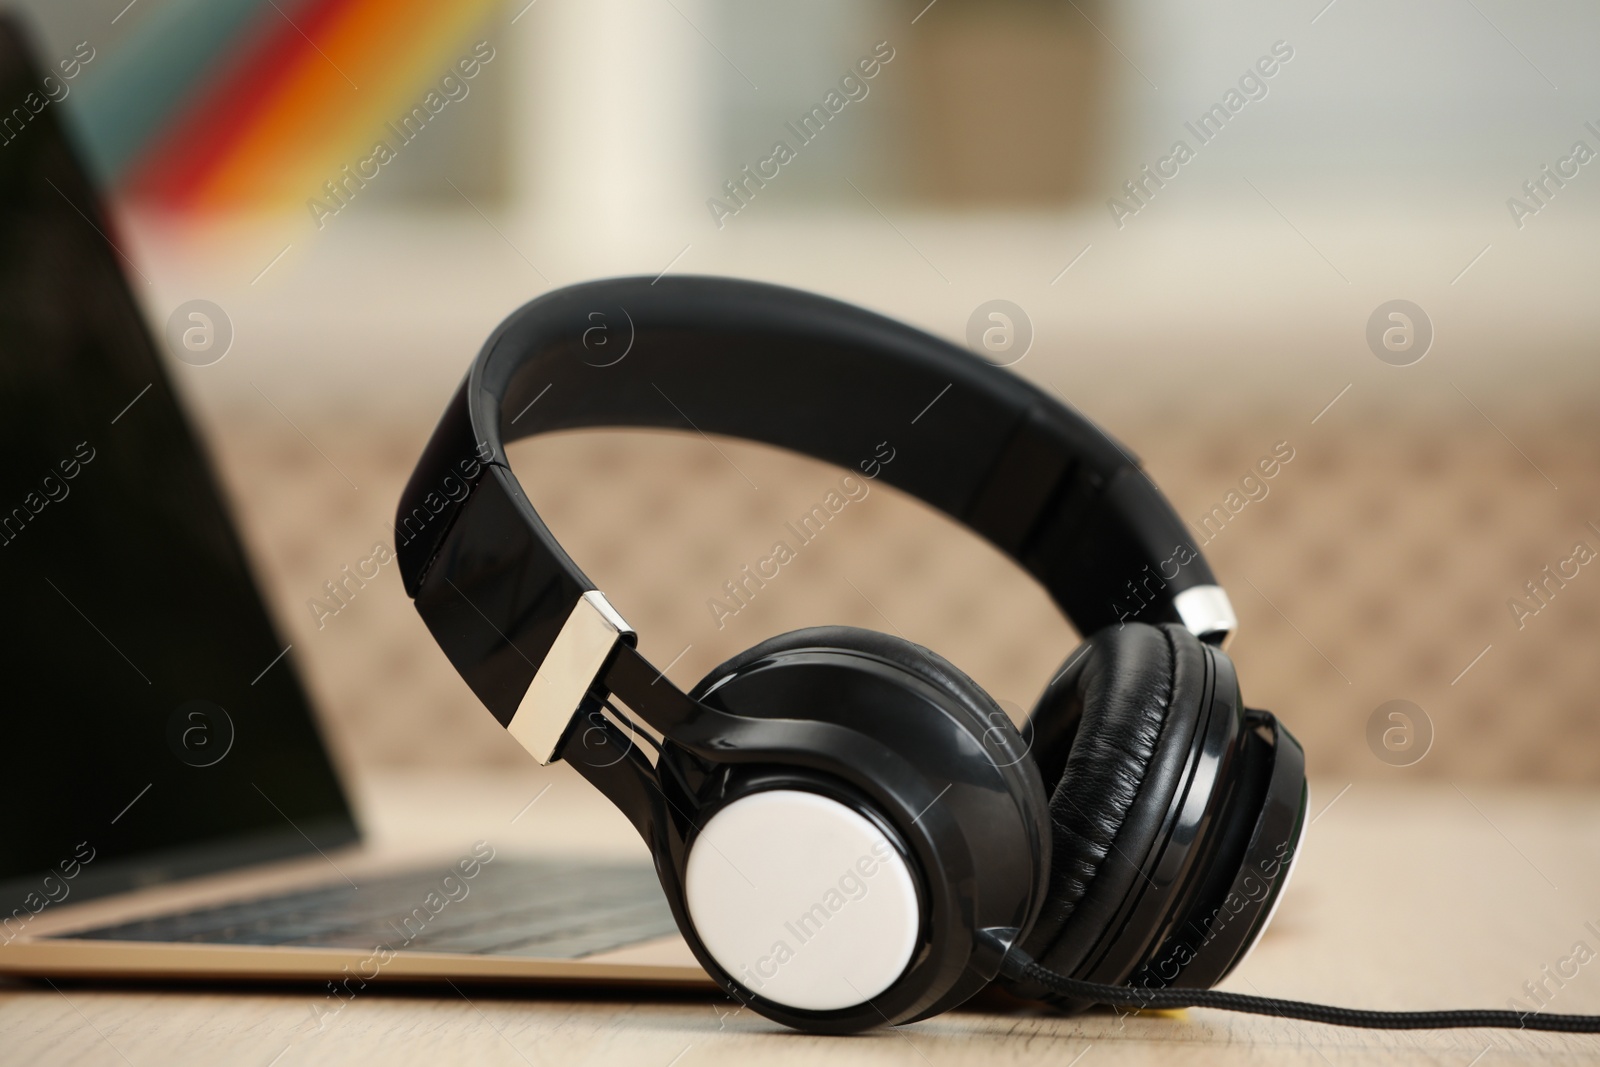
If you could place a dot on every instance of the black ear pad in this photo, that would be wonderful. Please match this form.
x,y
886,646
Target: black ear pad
x,y
1004,745
1111,737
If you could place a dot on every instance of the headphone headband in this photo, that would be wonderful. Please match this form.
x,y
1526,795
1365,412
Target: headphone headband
x,y
523,624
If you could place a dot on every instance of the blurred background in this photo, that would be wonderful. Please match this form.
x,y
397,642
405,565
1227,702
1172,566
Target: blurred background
x,y
1337,156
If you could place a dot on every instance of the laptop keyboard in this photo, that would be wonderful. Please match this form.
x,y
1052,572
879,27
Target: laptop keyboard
x,y
560,910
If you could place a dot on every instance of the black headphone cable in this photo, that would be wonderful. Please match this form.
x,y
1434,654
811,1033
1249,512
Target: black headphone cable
x,y
1018,966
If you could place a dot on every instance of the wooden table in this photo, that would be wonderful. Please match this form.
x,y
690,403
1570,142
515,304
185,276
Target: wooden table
x,y
1407,897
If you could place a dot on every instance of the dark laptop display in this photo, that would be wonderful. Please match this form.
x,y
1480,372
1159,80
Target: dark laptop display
x,y
150,720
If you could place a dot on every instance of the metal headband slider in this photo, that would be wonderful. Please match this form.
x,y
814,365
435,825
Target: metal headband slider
x,y
570,668
1207,613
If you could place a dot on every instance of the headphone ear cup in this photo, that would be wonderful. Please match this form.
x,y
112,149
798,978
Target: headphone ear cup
x,y
1003,743
934,755
1126,702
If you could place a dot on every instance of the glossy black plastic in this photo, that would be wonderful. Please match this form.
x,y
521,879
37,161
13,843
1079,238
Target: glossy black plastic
x,y
1241,886
864,731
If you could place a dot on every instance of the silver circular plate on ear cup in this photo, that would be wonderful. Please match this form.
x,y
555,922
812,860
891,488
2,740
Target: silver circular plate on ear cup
x,y
802,900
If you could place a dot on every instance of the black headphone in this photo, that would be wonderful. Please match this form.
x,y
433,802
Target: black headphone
x,y
849,831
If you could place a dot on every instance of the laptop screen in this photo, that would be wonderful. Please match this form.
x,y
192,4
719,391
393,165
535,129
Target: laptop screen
x,y
153,726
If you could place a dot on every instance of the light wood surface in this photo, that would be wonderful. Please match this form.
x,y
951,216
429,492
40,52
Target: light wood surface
x,y
1408,896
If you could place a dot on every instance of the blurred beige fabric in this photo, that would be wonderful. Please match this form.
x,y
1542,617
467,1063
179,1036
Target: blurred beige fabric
x,y
1379,566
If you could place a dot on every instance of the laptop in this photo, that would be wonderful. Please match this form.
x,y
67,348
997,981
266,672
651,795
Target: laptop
x,y
171,808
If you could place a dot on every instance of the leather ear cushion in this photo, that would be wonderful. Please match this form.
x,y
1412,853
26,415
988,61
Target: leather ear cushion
x,y
931,667
1126,699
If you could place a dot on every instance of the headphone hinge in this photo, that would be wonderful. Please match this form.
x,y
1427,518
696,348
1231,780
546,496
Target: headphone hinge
x,y
569,670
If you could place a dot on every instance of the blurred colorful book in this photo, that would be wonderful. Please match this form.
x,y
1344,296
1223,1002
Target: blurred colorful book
x,y
214,104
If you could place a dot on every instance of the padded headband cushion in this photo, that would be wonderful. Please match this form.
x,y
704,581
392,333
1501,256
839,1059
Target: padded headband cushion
x,y
1127,701
984,714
